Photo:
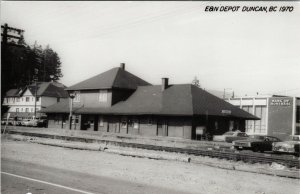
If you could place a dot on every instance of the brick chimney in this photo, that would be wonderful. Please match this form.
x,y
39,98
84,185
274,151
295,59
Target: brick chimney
x,y
164,83
122,66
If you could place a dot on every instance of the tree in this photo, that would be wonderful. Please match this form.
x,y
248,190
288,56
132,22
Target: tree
x,y
196,82
22,64
51,65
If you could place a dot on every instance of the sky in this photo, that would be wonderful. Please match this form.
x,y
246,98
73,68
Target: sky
x,y
244,52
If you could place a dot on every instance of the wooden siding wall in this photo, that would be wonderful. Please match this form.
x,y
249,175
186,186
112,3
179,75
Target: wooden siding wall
x,y
90,98
181,127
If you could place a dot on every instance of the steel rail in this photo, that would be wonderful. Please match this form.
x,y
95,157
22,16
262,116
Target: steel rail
x,y
228,154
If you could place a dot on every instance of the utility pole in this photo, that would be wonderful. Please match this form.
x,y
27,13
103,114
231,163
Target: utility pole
x,y
35,91
9,37
10,33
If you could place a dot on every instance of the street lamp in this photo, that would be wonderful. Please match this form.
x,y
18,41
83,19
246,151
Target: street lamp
x,y
72,96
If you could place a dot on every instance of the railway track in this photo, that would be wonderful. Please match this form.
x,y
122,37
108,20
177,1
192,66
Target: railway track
x,y
204,151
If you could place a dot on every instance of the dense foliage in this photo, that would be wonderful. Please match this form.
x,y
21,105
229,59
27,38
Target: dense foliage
x,y
23,64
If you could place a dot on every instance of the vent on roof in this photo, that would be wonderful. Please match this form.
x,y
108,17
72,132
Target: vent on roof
x,y
122,66
164,83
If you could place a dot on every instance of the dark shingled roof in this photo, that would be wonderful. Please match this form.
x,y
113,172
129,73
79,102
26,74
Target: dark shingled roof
x,y
12,93
113,78
180,100
50,89
61,107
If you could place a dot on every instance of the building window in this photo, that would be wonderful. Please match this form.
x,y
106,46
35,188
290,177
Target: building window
x,y
17,109
31,109
37,99
124,122
135,123
260,125
130,123
77,96
6,100
21,109
216,125
58,100
249,123
103,96
27,99
101,122
27,110
18,99
76,119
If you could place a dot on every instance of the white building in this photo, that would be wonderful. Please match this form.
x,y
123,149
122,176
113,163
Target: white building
x,y
280,115
25,102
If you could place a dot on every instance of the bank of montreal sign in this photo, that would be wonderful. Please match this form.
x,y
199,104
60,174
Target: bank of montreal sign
x,y
280,102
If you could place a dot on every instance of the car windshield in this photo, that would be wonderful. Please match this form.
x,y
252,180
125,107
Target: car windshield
x,y
294,138
228,133
256,137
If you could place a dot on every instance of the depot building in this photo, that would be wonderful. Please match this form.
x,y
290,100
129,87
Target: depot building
x,y
117,101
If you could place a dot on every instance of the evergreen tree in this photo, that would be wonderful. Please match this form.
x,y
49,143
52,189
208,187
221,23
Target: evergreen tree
x,y
22,64
196,82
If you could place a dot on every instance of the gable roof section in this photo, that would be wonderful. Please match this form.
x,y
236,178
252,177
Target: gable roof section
x,y
145,100
49,89
113,78
60,107
12,93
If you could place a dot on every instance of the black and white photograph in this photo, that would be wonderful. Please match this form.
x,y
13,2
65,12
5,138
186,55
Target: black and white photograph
x,y
150,97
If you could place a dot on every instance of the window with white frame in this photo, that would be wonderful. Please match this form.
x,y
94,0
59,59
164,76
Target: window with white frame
x,y
18,99
27,110
17,109
135,123
27,99
77,96
103,96
260,125
101,122
249,123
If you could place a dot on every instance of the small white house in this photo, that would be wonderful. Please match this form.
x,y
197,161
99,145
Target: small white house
x,y
23,103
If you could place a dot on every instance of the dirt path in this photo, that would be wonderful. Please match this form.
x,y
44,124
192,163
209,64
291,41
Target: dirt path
x,y
186,177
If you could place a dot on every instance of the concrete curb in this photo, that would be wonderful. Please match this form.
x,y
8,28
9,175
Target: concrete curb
x,y
175,157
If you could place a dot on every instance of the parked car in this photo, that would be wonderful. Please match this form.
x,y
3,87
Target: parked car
x,y
256,143
10,121
231,136
25,122
292,145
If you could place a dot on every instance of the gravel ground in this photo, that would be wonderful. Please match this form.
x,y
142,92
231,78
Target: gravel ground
x,y
181,176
